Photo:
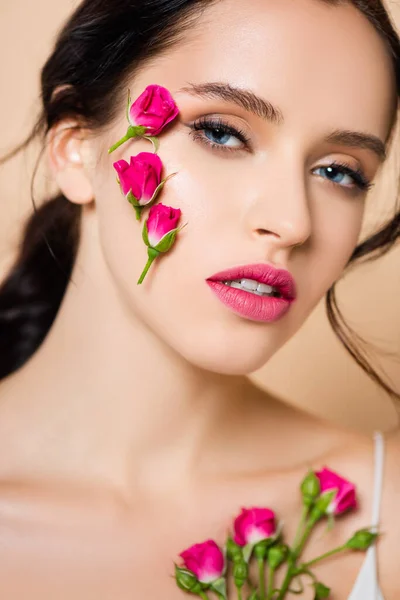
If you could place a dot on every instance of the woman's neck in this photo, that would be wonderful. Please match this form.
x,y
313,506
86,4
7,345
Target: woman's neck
x,y
113,400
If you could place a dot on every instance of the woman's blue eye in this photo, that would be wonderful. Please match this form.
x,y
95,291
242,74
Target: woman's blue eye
x,y
219,135
222,137
336,174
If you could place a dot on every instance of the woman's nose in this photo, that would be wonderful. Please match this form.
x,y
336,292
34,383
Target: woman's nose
x,y
280,211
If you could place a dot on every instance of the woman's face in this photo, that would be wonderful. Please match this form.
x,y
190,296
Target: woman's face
x,y
252,189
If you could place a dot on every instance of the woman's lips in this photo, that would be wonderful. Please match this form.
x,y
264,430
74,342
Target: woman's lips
x,y
252,306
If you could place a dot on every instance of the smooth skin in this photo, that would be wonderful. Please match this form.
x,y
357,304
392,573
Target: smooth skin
x,y
134,432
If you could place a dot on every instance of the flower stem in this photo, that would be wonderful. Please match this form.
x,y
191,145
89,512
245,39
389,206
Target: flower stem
x,y
239,592
203,595
119,143
301,526
145,270
261,578
271,576
326,555
133,131
291,570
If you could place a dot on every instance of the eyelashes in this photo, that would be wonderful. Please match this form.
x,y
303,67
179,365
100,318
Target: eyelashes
x,y
215,133
218,128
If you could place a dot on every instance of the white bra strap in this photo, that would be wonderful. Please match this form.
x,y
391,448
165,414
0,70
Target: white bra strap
x,y
378,477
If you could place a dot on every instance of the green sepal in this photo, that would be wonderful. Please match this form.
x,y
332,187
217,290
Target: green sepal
x,y
145,234
187,581
152,253
234,552
154,140
158,190
321,591
133,201
135,131
321,505
219,587
167,241
254,596
247,551
331,522
128,105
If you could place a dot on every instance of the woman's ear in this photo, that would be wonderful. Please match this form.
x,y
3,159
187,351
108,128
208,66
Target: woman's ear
x,y
67,156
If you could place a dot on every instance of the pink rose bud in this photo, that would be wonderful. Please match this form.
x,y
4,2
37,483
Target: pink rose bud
x,y
205,560
254,525
159,232
345,492
161,222
140,180
153,109
148,115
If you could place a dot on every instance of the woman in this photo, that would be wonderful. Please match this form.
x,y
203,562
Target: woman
x,y
128,427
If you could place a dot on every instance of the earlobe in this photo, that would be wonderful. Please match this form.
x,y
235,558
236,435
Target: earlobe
x,y
66,161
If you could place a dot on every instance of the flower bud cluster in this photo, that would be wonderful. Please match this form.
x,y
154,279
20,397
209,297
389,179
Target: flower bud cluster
x,y
255,535
140,179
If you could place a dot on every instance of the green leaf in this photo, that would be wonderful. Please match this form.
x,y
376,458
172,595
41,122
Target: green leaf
x,y
321,591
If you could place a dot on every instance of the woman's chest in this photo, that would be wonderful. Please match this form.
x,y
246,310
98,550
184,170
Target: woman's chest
x,y
132,555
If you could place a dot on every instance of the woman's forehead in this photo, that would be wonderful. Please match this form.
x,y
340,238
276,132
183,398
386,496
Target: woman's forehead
x,y
305,55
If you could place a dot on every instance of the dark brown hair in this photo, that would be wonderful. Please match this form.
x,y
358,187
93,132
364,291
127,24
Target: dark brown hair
x,y
102,44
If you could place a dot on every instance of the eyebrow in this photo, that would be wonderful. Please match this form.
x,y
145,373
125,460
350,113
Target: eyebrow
x,y
264,109
244,98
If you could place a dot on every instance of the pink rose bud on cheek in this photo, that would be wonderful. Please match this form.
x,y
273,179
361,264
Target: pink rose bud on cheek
x,y
153,109
148,115
254,525
140,180
159,233
345,497
205,560
162,220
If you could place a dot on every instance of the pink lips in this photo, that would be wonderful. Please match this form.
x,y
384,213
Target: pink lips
x,y
251,306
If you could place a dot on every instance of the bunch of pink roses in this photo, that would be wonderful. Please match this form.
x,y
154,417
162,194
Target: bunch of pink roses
x,y
208,568
140,179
